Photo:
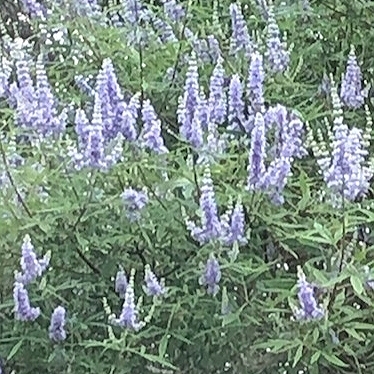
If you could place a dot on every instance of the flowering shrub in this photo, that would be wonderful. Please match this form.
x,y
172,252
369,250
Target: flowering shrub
x,y
186,187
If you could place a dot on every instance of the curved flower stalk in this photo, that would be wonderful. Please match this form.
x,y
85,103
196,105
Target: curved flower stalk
x,y
153,286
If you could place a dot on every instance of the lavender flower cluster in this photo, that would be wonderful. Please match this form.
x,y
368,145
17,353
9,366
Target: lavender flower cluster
x,y
32,268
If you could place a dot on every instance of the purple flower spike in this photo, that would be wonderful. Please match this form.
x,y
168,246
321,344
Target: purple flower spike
x,y
129,317
211,276
57,331
151,137
237,226
210,220
188,103
121,283
351,91
235,104
32,267
174,11
257,155
255,86
309,309
23,310
240,39
217,97
277,56
134,201
153,287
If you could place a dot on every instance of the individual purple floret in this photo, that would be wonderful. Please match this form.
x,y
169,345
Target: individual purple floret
x,y
153,287
129,317
150,136
121,283
31,266
309,308
255,85
240,39
57,331
22,308
351,91
134,201
211,276
217,97
277,56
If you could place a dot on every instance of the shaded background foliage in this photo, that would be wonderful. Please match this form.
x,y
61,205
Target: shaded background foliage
x,y
84,227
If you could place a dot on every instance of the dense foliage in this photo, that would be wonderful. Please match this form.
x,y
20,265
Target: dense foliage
x,y
186,186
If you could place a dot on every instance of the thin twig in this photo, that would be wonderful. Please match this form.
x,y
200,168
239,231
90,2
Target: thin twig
x,y
12,182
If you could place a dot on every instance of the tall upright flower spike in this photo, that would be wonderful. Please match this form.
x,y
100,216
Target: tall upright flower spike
x,y
257,154
211,276
153,287
31,266
309,308
217,97
121,283
5,72
111,98
277,56
235,104
48,121
210,228
345,171
129,317
240,39
188,102
22,308
255,85
351,91
236,227
134,201
94,152
57,331
150,136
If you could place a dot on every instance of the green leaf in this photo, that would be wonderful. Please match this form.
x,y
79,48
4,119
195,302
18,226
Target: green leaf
x,y
298,355
163,346
334,360
14,350
357,284
315,357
